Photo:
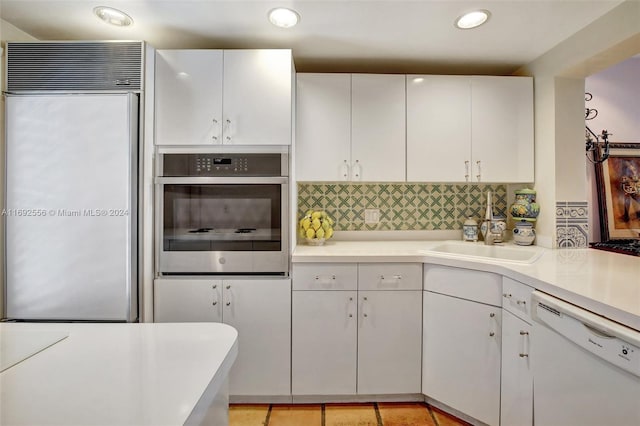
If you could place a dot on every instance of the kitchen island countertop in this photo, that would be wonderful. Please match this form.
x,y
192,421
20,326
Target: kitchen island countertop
x,y
117,374
605,283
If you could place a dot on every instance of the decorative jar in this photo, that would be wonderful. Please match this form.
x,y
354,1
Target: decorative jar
x,y
470,230
525,205
523,233
498,227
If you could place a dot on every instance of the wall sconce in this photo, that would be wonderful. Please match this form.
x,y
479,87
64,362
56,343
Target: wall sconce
x,y
599,149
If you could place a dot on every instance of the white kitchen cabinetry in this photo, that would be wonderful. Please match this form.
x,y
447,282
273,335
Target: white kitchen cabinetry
x,y
462,342
485,123
258,308
378,140
502,129
350,127
517,376
516,407
366,341
323,125
188,97
438,128
238,97
324,342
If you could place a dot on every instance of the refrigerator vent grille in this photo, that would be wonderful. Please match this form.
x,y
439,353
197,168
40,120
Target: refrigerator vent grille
x,y
74,66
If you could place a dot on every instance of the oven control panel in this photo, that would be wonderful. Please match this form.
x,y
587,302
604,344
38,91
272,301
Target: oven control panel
x,y
224,165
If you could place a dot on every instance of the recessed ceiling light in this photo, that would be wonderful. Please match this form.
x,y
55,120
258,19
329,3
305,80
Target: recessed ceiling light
x,y
283,17
113,16
472,19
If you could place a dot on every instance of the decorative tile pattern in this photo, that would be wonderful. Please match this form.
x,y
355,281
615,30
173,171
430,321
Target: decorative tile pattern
x,y
403,206
572,224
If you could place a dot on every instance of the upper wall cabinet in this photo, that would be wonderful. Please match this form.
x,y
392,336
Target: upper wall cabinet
x,y
350,127
205,97
469,129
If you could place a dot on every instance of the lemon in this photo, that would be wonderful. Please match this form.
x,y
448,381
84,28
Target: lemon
x,y
311,233
320,233
306,223
325,225
316,215
316,224
328,233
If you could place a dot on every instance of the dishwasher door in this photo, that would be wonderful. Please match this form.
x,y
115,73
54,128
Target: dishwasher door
x,y
586,368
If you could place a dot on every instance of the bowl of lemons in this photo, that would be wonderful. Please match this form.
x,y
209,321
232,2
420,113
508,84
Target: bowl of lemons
x,y
316,226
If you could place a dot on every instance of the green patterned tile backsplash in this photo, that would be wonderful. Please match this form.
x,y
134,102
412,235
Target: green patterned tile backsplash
x,y
403,206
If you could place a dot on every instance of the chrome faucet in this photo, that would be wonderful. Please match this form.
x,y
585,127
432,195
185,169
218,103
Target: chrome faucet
x,y
490,237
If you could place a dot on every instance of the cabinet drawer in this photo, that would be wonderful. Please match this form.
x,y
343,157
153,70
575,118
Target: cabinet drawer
x,y
325,276
483,287
516,298
389,276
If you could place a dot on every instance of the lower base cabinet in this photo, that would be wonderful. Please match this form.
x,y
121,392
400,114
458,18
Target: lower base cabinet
x,y
517,377
461,355
260,309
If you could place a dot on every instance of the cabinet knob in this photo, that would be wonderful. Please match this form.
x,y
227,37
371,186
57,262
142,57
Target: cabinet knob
x,y
350,315
228,287
215,121
214,303
214,286
365,315
350,299
524,355
524,333
365,299
491,334
228,303
492,315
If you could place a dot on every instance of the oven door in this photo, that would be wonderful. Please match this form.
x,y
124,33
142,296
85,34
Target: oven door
x,y
221,225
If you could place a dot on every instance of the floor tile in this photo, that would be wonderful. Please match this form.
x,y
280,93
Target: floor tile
x,y
296,415
405,414
445,419
248,414
350,415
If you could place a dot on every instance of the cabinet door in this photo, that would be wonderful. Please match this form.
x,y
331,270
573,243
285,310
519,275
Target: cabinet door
x,y
517,379
261,312
438,128
389,342
461,355
257,96
187,300
378,130
188,97
324,343
502,128
323,127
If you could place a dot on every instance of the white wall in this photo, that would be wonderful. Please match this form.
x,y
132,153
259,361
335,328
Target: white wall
x,y
8,32
616,96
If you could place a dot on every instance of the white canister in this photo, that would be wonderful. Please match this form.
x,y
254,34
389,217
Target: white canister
x,y
523,233
470,230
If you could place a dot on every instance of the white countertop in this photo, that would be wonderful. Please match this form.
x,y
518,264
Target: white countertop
x,y
605,283
117,374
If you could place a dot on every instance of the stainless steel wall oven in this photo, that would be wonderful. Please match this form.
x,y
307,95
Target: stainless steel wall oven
x,y
222,213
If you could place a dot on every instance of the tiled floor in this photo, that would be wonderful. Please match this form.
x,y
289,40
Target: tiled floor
x,y
370,414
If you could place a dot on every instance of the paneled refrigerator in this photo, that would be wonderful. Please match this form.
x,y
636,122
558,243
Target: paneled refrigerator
x,y
70,207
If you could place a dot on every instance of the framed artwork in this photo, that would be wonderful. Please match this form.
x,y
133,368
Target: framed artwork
x,y
618,180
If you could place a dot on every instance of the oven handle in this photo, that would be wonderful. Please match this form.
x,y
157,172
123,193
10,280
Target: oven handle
x,y
200,180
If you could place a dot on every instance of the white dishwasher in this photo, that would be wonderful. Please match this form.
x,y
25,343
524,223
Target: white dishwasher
x,y
586,368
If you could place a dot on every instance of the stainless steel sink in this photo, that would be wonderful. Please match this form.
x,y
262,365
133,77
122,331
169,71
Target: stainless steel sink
x,y
473,250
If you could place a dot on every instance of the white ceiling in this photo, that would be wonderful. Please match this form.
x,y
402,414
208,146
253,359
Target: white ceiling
x,y
333,35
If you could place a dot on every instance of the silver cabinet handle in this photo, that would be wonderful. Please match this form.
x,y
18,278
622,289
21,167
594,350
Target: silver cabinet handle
x,y
521,302
393,277
214,303
357,170
506,295
228,303
524,335
228,287
333,277
479,175
492,333
491,315
466,170
214,286
345,170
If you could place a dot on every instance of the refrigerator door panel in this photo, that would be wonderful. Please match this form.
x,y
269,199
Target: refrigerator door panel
x,y
70,209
